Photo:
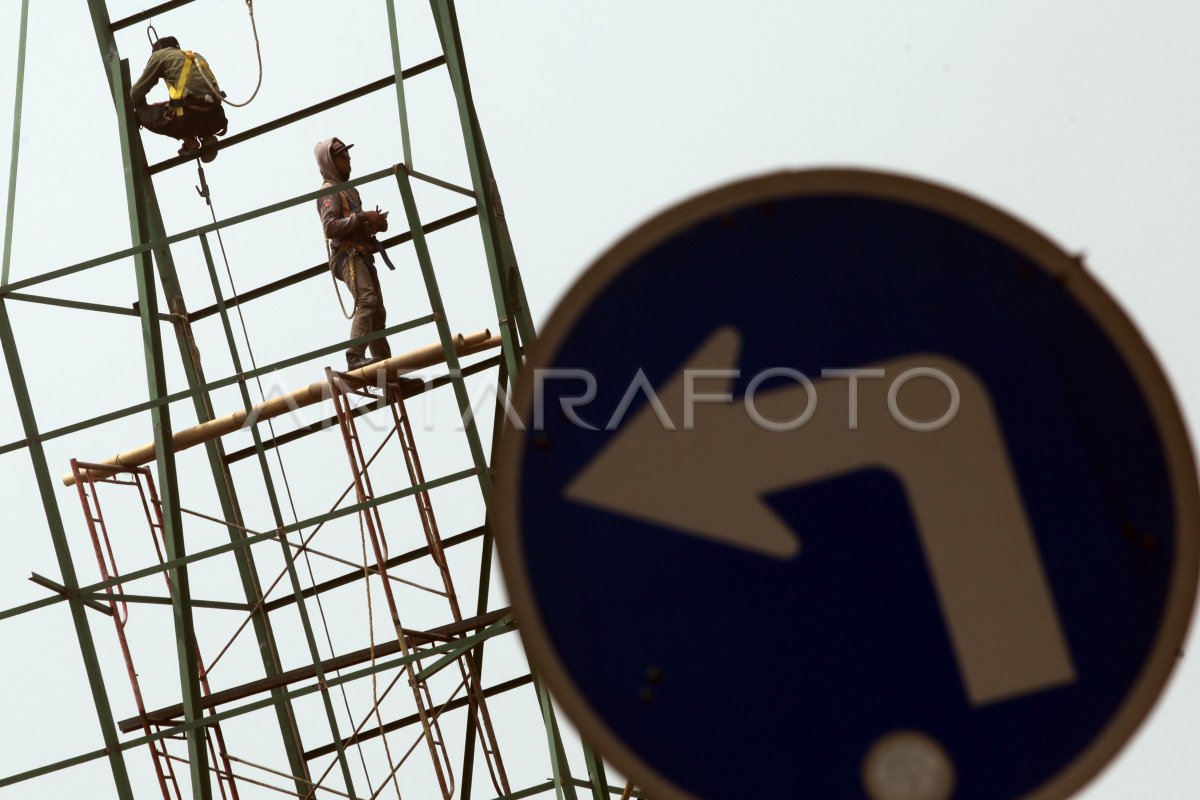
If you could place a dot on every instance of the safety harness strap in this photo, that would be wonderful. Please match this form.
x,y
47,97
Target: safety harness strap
x,y
176,91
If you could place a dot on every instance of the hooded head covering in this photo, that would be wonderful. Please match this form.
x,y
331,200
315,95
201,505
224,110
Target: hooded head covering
x,y
329,173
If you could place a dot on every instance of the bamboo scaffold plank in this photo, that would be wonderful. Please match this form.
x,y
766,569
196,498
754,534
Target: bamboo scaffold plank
x,y
421,358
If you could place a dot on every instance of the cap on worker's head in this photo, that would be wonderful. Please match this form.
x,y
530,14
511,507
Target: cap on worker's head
x,y
166,41
338,147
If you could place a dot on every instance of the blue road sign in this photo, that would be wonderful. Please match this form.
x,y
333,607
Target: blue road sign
x,y
837,484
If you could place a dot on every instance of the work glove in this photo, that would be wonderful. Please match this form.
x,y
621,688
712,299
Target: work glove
x,y
377,220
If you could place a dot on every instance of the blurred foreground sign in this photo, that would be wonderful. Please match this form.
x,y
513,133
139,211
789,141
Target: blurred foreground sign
x,y
841,484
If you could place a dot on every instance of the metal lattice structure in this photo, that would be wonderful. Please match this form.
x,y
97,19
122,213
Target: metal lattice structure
x,y
372,730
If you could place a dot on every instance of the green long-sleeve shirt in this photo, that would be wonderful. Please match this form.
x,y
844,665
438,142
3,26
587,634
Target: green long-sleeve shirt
x,y
168,64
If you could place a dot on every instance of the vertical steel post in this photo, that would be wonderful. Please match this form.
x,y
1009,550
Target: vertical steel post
x,y
276,510
563,784
222,479
185,634
447,338
401,105
485,579
16,144
443,13
62,550
595,768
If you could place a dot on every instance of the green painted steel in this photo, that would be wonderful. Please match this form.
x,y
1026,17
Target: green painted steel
x,y
322,269
218,384
563,785
595,768
443,12
62,551
148,599
498,628
168,479
249,540
82,305
159,242
16,144
272,495
532,791
444,333
317,108
143,189
143,16
487,551
401,105
149,237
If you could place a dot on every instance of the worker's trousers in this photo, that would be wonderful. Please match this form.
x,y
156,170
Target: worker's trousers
x,y
196,120
361,278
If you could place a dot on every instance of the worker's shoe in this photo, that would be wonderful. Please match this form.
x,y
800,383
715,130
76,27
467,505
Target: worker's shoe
x,y
190,147
208,148
354,361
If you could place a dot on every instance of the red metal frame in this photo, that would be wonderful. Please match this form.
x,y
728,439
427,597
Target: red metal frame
x,y
142,479
340,389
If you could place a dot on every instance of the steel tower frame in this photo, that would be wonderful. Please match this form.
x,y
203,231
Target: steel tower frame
x,y
421,653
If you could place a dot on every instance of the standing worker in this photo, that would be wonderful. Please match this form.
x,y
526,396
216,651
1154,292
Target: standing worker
x,y
193,114
350,232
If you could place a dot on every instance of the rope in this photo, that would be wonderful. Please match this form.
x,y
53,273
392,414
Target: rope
x,y
257,54
336,290
387,748
207,195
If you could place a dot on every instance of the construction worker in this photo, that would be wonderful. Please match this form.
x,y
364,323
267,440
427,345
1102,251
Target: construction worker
x,y
193,114
350,231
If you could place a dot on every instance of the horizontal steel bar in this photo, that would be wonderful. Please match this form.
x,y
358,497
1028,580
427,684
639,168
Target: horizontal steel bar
x,y
61,590
129,577
617,790
365,408
166,601
323,267
337,663
142,16
412,719
146,405
532,791
442,662
439,182
58,301
215,718
185,235
325,105
357,575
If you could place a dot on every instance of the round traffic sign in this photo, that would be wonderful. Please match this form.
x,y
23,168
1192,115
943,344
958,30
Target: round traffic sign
x,y
843,484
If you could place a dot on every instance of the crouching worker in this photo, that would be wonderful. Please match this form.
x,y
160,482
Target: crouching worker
x,y
193,114
350,232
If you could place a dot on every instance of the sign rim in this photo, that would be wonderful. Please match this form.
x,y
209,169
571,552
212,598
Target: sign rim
x,y
1137,704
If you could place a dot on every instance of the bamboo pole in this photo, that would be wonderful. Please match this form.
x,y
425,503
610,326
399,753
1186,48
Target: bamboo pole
x,y
421,358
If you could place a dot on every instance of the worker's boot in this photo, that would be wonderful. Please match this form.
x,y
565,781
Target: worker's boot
x,y
208,148
355,361
190,146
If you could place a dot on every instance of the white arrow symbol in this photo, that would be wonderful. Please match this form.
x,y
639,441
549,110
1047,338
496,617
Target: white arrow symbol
x,y
709,481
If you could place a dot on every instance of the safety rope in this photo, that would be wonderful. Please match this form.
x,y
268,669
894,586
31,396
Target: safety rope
x,y
336,290
387,748
207,195
257,54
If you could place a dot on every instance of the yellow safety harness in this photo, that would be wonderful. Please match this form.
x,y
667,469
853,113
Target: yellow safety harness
x,y
176,91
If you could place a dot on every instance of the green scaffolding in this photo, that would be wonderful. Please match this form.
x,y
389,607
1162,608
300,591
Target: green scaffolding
x,y
151,252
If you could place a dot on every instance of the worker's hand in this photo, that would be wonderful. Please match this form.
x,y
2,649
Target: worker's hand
x,y
377,220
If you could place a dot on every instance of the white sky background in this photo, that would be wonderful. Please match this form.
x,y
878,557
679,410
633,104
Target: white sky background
x,y
1077,117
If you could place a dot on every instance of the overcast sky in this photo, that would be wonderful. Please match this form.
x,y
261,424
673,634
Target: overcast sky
x,y
1077,117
